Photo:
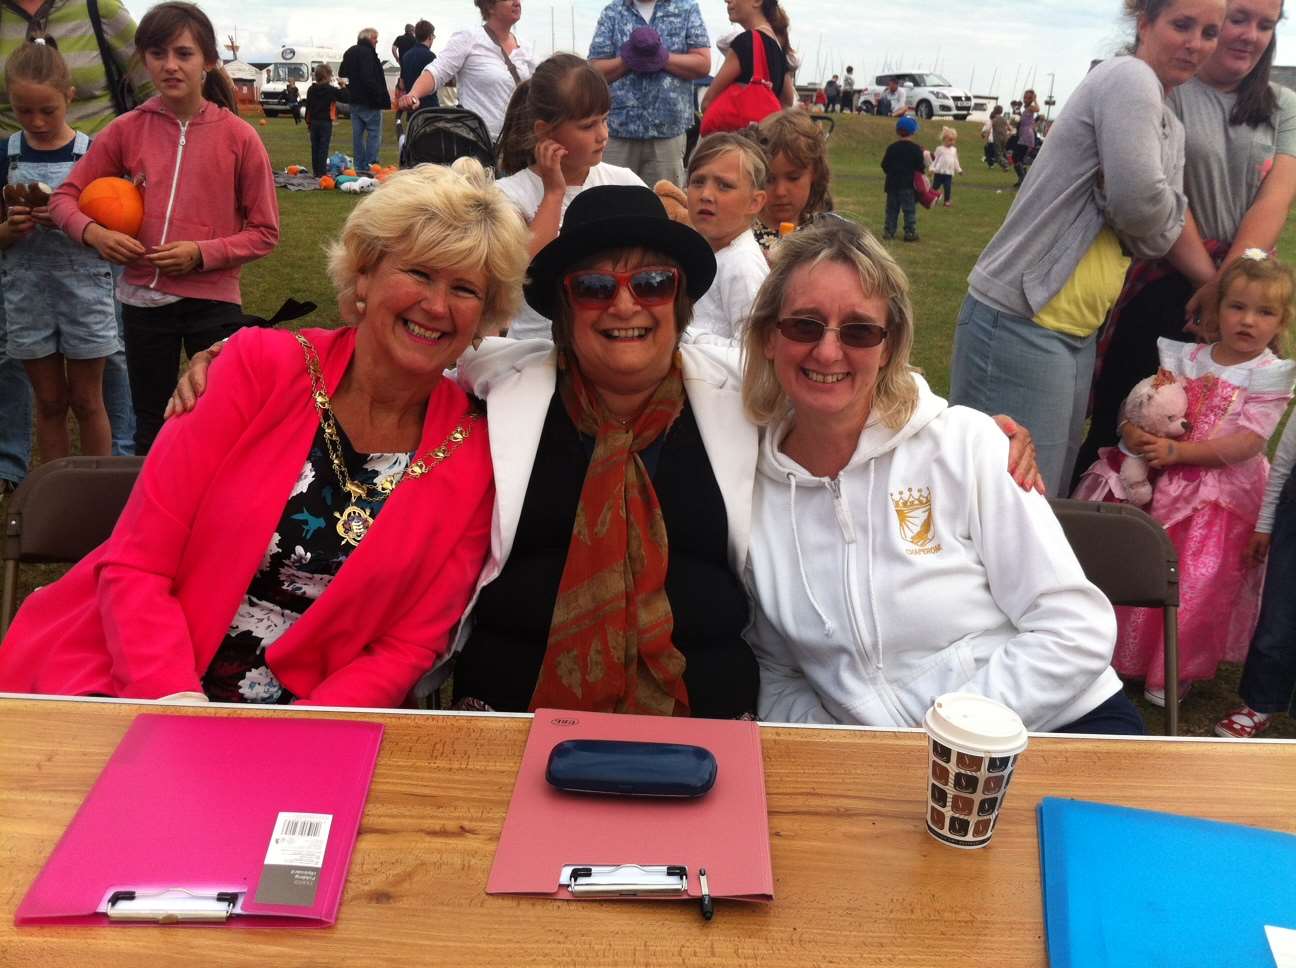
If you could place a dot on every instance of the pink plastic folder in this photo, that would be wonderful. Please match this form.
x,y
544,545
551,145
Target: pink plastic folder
x,y
185,812
726,831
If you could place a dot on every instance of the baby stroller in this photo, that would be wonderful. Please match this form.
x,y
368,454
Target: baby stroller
x,y
439,135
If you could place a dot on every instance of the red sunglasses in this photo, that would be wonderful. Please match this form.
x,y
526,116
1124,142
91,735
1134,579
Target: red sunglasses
x,y
597,288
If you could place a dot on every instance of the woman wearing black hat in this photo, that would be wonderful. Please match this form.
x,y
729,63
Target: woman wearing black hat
x,y
623,470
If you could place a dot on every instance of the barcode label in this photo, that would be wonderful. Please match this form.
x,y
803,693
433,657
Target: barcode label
x,y
299,840
302,828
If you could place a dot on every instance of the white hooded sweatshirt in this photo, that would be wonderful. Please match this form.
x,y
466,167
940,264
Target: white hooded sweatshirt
x,y
921,569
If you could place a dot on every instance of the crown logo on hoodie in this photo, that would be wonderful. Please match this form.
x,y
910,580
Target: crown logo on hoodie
x,y
913,508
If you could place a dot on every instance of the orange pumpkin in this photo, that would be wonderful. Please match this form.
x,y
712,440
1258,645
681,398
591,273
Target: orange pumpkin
x,y
264,122
114,203
375,168
295,170
349,171
327,182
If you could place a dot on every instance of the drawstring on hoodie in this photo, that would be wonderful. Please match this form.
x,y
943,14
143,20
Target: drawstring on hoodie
x,y
872,586
796,543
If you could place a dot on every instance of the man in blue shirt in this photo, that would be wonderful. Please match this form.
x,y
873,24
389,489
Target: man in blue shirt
x,y
650,51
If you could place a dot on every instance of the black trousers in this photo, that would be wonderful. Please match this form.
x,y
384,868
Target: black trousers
x,y
897,202
154,337
321,133
1157,310
1115,716
1269,676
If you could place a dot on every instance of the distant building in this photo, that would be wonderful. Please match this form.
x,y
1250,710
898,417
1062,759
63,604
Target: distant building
x,y
1286,76
982,105
246,80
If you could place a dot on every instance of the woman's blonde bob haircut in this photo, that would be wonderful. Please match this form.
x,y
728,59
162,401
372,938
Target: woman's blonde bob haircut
x,y
436,216
832,239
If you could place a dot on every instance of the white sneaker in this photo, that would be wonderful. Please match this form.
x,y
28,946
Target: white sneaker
x,y
1157,696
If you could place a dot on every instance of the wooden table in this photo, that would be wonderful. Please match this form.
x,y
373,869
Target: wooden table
x,y
857,879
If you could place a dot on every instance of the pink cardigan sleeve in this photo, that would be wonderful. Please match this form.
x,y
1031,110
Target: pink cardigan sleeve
x,y
385,672
102,160
146,631
259,205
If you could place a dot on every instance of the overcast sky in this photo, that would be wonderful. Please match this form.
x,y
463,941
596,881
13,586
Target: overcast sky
x,y
993,46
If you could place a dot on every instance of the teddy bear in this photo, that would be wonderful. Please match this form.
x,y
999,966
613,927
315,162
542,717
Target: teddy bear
x,y
674,201
1157,405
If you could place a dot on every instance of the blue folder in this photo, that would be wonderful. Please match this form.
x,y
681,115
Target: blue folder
x,y
1126,888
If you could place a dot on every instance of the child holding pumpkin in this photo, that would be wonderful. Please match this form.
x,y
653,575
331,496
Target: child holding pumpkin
x,y
209,206
59,318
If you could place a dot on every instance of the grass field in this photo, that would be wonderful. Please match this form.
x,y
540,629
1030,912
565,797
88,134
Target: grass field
x,y
937,266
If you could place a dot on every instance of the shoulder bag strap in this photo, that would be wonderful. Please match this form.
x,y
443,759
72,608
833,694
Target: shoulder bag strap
x,y
112,73
760,68
508,61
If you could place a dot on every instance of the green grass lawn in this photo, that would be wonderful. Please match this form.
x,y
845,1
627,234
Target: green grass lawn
x,y
938,267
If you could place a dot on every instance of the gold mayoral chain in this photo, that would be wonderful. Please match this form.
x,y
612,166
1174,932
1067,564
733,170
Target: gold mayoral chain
x,y
354,522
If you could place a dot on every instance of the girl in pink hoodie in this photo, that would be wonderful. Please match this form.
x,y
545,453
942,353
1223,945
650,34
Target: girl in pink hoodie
x,y
209,206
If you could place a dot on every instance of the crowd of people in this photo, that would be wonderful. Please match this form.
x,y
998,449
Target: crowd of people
x,y
648,428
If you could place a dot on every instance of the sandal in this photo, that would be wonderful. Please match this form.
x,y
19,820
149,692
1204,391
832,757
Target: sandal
x,y
1243,723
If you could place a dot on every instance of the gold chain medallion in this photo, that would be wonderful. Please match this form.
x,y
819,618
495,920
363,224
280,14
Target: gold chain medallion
x,y
354,521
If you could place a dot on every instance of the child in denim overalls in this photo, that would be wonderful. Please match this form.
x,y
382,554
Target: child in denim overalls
x,y
58,296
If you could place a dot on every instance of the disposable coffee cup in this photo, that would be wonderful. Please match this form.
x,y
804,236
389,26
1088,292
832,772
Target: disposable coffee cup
x,y
972,745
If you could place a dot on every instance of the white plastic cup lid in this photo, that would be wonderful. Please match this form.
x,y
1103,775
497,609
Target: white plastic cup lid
x,y
975,723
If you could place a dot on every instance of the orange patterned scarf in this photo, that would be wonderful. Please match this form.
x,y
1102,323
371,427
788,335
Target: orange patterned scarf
x,y
610,646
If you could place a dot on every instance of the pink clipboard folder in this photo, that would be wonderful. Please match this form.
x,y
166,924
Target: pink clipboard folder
x,y
190,802
726,831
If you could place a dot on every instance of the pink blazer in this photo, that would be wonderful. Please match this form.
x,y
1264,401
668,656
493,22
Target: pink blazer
x,y
143,615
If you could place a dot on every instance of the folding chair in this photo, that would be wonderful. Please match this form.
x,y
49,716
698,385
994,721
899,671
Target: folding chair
x,y
1128,555
63,510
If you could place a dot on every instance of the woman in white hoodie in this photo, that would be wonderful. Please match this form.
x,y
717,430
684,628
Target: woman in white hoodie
x,y
891,558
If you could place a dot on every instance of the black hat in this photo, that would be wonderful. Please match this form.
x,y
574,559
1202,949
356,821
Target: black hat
x,y
613,217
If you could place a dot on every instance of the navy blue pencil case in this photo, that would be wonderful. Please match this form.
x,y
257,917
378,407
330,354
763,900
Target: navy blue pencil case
x,y
631,769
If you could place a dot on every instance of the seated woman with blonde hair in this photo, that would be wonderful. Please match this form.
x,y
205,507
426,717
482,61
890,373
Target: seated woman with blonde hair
x,y
892,559
313,530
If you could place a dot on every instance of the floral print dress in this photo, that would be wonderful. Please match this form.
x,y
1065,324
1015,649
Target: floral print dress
x,y
304,554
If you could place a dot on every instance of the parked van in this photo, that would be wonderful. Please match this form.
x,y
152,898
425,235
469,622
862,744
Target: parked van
x,y
296,64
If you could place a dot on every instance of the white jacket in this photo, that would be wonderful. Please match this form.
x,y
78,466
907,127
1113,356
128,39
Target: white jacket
x,y
517,379
921,569
946,161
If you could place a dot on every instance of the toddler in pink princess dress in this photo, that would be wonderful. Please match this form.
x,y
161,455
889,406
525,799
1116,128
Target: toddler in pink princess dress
x,y
1212,480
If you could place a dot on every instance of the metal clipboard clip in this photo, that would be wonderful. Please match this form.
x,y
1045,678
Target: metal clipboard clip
x,y
625,880
171,906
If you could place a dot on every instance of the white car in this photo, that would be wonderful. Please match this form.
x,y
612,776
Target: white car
x,y
928,95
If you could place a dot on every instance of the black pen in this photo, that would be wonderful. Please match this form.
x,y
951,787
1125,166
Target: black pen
x,y
708,908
